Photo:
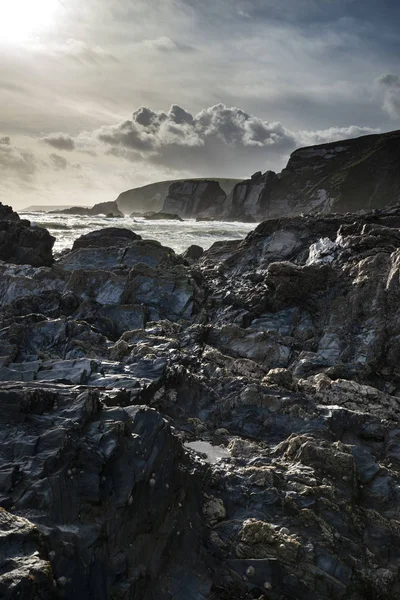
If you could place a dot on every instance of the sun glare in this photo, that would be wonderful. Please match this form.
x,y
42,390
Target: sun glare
x,y
21,20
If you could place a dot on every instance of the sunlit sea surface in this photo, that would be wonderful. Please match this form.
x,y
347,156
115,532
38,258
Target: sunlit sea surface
x,y
175,234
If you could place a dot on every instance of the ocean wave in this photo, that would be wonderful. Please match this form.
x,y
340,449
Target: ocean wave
x,y
174,234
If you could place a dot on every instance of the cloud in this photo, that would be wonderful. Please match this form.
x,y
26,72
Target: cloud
x,y
162,43
15,161
333,134
59,162
390,86
213,138
219,140
80,51
5,140
61,141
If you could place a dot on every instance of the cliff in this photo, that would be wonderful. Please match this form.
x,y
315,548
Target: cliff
x,y
150,198
204,198
350,175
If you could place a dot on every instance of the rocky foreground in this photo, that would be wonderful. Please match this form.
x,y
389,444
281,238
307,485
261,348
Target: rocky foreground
x,y
211,426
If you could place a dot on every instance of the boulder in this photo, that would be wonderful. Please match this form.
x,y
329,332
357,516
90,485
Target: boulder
x,y
23,244
105,238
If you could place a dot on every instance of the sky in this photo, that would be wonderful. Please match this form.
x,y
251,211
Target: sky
x,y
99,96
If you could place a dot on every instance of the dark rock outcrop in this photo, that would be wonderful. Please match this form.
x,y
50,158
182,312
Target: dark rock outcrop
x,y
161,216
21,243
220,425
104,238
198,198
349,175
109,209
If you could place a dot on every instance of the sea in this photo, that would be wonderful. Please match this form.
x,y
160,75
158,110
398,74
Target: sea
x,y
178,235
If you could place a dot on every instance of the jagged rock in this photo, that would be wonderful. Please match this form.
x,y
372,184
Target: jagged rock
x,y
25,571
21,243
221,428
167,294
7,214
198,198
131,509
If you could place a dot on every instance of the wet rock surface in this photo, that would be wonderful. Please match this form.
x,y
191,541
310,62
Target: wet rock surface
x,y
219,425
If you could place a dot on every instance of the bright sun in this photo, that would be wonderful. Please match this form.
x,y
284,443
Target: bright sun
x,y
22,19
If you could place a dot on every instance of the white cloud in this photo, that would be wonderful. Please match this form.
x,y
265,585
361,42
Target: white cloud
x,y
216,140
163,44
333,134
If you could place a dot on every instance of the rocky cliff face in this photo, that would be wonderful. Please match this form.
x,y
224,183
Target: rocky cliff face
x,y
202,199
250,199
219,426
151,197
351,175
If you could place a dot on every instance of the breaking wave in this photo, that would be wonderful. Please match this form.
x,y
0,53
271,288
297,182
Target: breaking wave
x,y
178,235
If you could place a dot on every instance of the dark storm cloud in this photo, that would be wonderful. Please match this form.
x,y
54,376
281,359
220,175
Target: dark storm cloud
x,y
61,141
5,140
390,84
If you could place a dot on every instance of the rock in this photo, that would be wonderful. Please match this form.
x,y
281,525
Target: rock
x,y
110,257
214,510
322,179
21,243
281,377
7,213
250,198
198,198
96,457
109,209
223,426
26,573
167,294
193,253
105,238
161,216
